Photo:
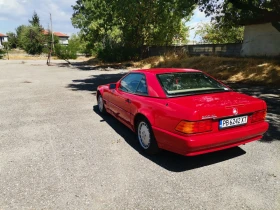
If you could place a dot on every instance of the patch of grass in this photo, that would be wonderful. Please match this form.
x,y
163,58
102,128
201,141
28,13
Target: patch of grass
x,y
263,71
24,57
148,62
93,61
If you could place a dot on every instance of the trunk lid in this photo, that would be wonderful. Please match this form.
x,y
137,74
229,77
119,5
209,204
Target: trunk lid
x,y
219,105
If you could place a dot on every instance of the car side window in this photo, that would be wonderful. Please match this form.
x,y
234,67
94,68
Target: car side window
x,y
130,82
142,87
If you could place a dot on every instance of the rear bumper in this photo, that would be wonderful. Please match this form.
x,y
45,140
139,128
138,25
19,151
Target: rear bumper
x,y
209,142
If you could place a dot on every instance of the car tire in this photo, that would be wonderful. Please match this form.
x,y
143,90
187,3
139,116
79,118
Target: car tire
x,y
146,137
100,103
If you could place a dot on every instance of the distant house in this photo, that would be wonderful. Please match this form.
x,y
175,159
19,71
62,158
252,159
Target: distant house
x,y
3,38
261,39
63,38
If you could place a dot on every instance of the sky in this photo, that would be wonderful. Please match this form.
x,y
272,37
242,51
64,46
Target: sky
x,y
17,12
14,13
196,20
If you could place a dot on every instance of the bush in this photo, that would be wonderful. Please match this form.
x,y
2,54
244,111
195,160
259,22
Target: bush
x,y
2,53
65,52
118,54
68,51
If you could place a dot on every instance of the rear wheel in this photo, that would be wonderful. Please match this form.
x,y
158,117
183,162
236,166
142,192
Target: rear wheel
x,y
146,137
101,104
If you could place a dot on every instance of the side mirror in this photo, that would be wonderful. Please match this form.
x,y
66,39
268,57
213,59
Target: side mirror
x,y
112,86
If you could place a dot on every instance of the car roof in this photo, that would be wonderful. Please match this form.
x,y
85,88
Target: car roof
x,y
165,70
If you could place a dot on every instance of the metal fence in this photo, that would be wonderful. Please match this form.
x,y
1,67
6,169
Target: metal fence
x,y
230,50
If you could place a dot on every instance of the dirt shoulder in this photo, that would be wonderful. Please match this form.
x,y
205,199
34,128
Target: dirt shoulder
x,y
245,70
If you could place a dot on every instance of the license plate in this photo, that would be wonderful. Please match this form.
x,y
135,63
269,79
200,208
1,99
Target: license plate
x,y
231,122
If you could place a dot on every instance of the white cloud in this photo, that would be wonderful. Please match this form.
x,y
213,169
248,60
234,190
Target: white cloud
x,y
61,13
17,12
12,9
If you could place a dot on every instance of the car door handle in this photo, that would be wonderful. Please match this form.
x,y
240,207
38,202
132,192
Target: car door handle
x,y
128,101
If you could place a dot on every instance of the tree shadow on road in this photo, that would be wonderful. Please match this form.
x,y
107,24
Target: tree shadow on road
x,y
91,84
272,98
85,66
168,160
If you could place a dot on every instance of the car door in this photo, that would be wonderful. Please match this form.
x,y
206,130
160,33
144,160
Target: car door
x,y
108,94
122,98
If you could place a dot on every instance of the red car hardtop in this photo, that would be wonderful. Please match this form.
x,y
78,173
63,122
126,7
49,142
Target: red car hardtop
x,y
165,70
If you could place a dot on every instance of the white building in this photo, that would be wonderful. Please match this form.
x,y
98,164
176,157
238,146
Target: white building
x,y
261,40
63,38
3,38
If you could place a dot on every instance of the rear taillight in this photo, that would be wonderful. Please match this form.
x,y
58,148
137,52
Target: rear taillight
x,y
194,127
258,116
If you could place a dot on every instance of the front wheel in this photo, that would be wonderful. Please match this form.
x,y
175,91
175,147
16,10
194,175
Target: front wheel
x,y
101,104
146,137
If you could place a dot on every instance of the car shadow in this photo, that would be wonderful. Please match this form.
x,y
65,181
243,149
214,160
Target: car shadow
x,y
168,160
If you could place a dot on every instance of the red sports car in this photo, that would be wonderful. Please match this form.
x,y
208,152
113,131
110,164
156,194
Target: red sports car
x,y
184,111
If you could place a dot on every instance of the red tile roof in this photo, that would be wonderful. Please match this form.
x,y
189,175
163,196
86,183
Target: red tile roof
x,y
3,35
45,32
59,34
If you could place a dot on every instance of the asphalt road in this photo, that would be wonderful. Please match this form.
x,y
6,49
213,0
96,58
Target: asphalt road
x,y
57,152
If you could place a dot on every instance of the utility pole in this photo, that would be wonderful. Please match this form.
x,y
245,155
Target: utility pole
x,y
52,33
52,43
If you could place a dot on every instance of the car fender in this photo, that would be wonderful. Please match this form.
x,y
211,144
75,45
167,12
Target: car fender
x,y
146,113
100,89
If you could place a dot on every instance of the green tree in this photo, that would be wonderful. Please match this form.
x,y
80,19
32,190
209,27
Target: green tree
x,y
19,31
32,40
76,41
214,33
152,22
236,12
35,21
97,23
182,36
12,40
124,26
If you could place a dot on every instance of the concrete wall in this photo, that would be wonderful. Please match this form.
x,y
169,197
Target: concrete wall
x,y
261,40
230,50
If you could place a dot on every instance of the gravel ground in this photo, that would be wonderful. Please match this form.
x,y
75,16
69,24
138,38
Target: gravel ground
x,y
57,152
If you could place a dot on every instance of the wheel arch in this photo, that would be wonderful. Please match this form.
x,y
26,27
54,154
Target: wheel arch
x,y
139,116
97,94
153,148
100,91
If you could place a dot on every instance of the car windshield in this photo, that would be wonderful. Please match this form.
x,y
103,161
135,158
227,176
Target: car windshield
x,y
188,83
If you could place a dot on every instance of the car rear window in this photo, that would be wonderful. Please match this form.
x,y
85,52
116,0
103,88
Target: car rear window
x,y
188,83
